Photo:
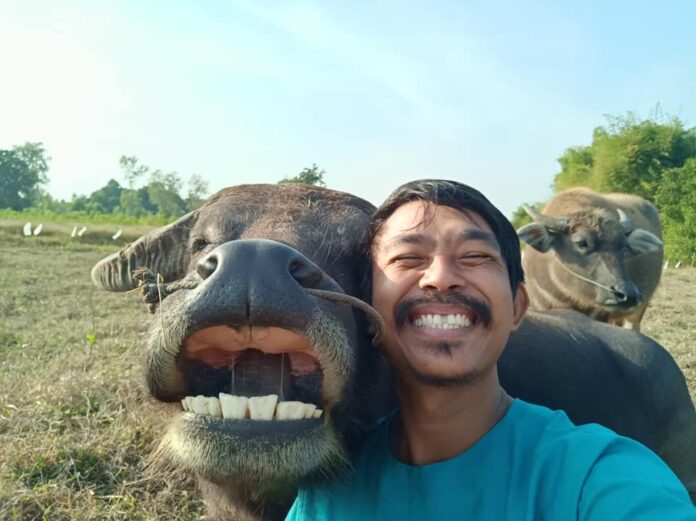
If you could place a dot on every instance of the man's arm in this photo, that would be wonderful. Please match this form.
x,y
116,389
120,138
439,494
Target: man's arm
x,y
629,482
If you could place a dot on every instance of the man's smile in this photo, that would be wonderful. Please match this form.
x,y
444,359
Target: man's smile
x,y
443,311
451,321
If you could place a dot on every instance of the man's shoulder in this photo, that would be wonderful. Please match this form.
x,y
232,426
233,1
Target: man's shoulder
x,y
553,431
595,468
555,423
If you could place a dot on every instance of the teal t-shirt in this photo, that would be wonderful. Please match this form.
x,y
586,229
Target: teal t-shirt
x,y
534,464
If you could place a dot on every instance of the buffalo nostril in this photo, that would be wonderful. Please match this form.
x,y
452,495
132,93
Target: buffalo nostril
x,y
619,295
207,266
626,297
305,273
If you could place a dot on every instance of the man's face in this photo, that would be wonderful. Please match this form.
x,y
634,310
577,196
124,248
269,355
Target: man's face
x,y
442,287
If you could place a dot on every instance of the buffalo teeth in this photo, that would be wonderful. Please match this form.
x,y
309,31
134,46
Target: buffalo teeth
x,y
256,408
290,411
200,404
206,405
234,407
309,409
262,407
214,407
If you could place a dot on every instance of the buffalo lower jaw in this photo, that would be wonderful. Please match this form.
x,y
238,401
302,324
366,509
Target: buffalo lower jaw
x,y
262,452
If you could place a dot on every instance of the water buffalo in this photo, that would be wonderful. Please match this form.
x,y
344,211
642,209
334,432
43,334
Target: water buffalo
x,y
257,330
600,254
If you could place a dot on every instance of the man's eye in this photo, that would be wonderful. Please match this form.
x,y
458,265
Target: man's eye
x,y
476,258
407,260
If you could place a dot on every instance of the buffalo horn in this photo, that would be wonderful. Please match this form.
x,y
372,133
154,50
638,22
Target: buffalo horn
x,y
550,221
162,251
624,221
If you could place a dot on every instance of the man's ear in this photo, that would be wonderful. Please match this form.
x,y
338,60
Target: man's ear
x,y
520,304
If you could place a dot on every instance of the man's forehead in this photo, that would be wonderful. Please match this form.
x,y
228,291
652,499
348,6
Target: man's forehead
x,y
410,219
419,214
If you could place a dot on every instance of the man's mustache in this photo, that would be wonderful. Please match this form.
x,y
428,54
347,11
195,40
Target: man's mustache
x,y
432,297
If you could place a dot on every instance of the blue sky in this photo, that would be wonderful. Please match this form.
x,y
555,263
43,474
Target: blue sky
x,y
376,93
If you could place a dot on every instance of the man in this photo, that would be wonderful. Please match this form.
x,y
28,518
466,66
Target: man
x,y
447,279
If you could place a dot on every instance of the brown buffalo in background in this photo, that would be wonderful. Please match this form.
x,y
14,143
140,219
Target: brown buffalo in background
x,y
600,254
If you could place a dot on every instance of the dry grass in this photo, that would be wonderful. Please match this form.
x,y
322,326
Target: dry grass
x,y
671,320
76,424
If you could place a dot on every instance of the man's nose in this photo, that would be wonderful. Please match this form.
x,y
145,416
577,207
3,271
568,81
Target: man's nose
x,y
441,275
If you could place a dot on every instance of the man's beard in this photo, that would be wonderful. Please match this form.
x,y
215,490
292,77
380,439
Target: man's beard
x,y
457,380
444,348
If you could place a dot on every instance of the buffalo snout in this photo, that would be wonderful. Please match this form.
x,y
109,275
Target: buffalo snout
x,y
625,294
258,282
261,254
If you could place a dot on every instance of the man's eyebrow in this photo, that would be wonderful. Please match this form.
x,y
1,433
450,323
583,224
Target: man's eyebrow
x,y
408,238
463,236
479,235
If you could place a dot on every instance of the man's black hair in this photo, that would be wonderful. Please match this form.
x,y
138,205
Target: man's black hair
x,y
463,198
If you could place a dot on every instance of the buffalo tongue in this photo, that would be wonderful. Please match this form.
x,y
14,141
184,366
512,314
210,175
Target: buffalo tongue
x,y
256,373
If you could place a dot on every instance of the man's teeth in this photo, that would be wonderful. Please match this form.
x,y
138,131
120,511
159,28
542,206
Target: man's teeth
x,y
442,321
254,408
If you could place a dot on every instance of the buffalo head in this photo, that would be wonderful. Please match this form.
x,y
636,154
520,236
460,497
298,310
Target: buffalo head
x,y
257,332
602,254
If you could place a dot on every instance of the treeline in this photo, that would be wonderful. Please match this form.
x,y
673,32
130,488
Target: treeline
x,y
145,191
654,158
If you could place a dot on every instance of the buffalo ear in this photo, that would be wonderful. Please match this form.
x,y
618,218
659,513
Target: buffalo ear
x,y
642,241
537,235
163,251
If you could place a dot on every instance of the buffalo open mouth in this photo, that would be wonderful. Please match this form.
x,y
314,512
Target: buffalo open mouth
x,y
250,374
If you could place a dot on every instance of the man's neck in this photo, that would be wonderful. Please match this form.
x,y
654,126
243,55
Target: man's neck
x,y
439,423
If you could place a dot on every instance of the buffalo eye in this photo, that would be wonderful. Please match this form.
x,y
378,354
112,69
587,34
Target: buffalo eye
x,y
198,245
582,244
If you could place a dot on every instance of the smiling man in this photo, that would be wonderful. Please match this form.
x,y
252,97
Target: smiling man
x,y
447,279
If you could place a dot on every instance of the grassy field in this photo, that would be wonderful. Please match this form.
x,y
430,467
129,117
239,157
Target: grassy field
x,y
77,425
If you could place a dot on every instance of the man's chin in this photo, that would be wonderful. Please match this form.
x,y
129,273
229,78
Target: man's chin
x,y
454,380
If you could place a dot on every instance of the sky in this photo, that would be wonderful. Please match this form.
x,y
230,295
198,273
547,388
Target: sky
x,y
375,93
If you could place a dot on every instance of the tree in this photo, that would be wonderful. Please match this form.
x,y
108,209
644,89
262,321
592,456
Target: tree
x,y
132,171
308,176
197,192
576,169
135,203
78,203
22,170
628,155
163,191
107,198
676,198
